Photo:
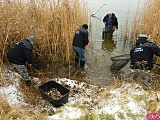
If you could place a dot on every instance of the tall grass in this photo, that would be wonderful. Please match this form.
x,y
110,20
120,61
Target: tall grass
x,y
148,21
53,24
18,113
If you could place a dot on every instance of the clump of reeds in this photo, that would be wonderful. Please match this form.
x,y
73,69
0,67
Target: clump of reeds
x,y
147,21
4,108
53,24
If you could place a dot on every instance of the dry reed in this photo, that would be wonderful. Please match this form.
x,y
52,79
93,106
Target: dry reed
x,y
148,21
53,24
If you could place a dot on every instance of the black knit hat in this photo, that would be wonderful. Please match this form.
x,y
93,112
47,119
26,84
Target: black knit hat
x,y
85,26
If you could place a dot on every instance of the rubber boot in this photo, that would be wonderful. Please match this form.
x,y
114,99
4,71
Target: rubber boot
x,y
103,35
76,62
82,64
29,83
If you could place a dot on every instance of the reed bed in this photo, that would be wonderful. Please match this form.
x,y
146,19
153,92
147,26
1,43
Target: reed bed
x,y
148,21
53,24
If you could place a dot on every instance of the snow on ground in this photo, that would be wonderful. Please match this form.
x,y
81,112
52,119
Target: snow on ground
x,y
124,103
67,112
10,92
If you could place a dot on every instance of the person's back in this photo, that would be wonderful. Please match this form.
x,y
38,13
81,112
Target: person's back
x,y
20,53
80,38
142,53
80,41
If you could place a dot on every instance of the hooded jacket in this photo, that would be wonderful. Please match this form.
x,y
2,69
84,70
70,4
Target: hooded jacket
x,y
114,20
20,53
143,51
80,38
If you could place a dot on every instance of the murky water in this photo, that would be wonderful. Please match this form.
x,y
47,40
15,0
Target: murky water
x,y
99,52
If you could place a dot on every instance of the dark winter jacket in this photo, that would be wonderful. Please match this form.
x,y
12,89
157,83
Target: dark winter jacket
x,y
80,38
143,51
114,20
20,53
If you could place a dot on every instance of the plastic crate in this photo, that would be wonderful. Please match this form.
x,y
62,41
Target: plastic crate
x,y
63,91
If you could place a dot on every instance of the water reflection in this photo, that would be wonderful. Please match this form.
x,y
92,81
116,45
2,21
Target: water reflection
x,y
108,44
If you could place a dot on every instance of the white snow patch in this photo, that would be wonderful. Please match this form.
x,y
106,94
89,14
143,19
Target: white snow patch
x,y
12,95
67,113
121,99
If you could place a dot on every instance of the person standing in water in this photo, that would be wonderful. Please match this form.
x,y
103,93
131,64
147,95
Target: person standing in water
x,y
111,23
80,41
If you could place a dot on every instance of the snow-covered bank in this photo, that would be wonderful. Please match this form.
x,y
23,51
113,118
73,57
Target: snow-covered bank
x,y
127,102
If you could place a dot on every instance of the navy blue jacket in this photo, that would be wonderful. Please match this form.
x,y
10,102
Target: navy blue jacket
x,y
80,38
143,51
20,53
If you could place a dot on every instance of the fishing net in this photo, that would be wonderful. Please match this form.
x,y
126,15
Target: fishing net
x,y
118,62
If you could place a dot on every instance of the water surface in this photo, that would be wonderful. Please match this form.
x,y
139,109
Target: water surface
x,y
100,51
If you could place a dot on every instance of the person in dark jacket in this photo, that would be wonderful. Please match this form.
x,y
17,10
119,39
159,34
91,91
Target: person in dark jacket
x,y
80,41
19,55
111,23
142,53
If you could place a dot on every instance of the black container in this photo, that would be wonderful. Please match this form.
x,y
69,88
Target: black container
x,y
55,102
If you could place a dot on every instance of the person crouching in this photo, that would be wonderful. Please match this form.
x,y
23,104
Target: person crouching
x,y
21,53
